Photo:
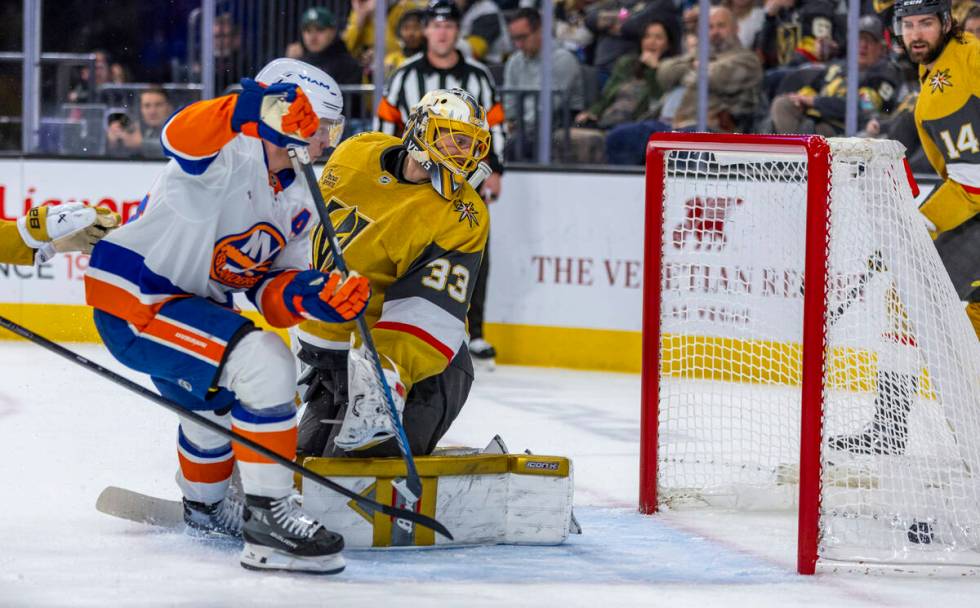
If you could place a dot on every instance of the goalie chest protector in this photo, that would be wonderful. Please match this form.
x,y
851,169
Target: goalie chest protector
x,y
483,499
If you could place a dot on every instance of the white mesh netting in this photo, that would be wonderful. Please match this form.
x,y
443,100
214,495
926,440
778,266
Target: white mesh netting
x,y
901,425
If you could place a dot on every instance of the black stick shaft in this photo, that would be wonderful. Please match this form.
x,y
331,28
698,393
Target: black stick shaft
x,y
112,376
412,478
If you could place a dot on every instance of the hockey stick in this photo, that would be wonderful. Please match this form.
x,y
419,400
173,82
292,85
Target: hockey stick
x,y
875,265
112,376
411,489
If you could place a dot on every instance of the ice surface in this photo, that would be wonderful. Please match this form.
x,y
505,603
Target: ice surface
x,y
66,433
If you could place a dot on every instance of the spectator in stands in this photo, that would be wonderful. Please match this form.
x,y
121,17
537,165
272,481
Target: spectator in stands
x,y
411,40
155,109
972,21
962,8
750,18
227,50
523,70
322,48
81,91
798,32
617,25
627,96
734,78
484,30
119,74
570,29
819,105
359,34
125,137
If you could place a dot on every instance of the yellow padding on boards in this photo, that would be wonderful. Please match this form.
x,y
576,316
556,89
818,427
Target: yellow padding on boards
x,y
567,347
58,322
438,466
767,362
684,356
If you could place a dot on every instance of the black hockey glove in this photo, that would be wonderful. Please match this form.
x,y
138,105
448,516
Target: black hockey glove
x,y
325,396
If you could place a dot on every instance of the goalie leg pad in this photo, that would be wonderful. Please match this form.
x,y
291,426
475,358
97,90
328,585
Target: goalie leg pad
x,y
484,499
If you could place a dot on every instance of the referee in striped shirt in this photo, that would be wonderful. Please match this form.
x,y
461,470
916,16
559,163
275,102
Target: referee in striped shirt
x,y
442,66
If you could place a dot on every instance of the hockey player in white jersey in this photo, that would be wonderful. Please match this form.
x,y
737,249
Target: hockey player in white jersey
x,y
226,215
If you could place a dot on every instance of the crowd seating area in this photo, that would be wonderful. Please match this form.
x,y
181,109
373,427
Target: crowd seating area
x,y
622,69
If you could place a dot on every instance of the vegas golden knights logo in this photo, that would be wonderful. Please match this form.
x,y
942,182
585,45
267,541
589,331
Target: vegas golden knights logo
x,y
348,223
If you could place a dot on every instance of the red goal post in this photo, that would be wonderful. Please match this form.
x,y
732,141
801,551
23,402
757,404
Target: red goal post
x,y
817,153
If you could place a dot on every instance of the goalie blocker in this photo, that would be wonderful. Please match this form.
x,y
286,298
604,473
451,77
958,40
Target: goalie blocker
x,y
484,499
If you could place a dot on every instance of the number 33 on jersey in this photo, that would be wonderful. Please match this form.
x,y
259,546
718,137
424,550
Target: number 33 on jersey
x,y
420,251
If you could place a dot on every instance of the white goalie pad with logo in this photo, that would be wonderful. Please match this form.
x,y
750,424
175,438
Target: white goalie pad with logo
x,y
482,499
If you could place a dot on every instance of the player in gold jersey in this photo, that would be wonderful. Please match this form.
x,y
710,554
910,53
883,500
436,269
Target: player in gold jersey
x,y
947,116
409,221
45,231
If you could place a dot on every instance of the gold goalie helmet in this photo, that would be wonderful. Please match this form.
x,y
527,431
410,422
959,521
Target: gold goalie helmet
x,y
447,133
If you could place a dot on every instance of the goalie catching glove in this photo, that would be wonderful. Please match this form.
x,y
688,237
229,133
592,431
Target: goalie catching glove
x,y
279,113
64,228
367,421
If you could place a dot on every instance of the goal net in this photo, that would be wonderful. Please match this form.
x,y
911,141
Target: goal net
x,y
805,349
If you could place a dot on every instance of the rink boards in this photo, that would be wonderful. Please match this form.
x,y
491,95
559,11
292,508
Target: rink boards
x,y
566,260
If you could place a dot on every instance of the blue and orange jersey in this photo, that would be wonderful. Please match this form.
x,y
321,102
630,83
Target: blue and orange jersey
x,y
214,222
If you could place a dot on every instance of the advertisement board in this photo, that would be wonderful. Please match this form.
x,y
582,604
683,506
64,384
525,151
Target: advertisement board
x,y
566,258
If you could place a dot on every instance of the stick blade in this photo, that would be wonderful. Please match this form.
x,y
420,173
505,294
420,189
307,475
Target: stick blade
x,y
133,506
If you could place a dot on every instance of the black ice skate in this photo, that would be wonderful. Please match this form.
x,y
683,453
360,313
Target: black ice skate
x,y
280,536
888,432
222,518
483,353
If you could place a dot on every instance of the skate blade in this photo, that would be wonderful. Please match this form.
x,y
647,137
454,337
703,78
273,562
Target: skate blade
x,y
258,557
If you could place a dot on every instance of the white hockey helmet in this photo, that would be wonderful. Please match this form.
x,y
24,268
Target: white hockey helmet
x,y
447,132
318,86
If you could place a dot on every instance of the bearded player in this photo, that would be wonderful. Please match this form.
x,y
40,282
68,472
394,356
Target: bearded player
x,y
947,116
408,220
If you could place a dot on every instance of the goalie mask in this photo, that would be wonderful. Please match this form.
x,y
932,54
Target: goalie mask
x,y
320,89
447,134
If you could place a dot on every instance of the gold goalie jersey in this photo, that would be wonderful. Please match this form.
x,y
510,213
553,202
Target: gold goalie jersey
x,y
947,115
420,251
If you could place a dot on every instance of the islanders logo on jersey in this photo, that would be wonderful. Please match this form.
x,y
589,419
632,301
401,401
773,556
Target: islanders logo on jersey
x,y
940,80
241,260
